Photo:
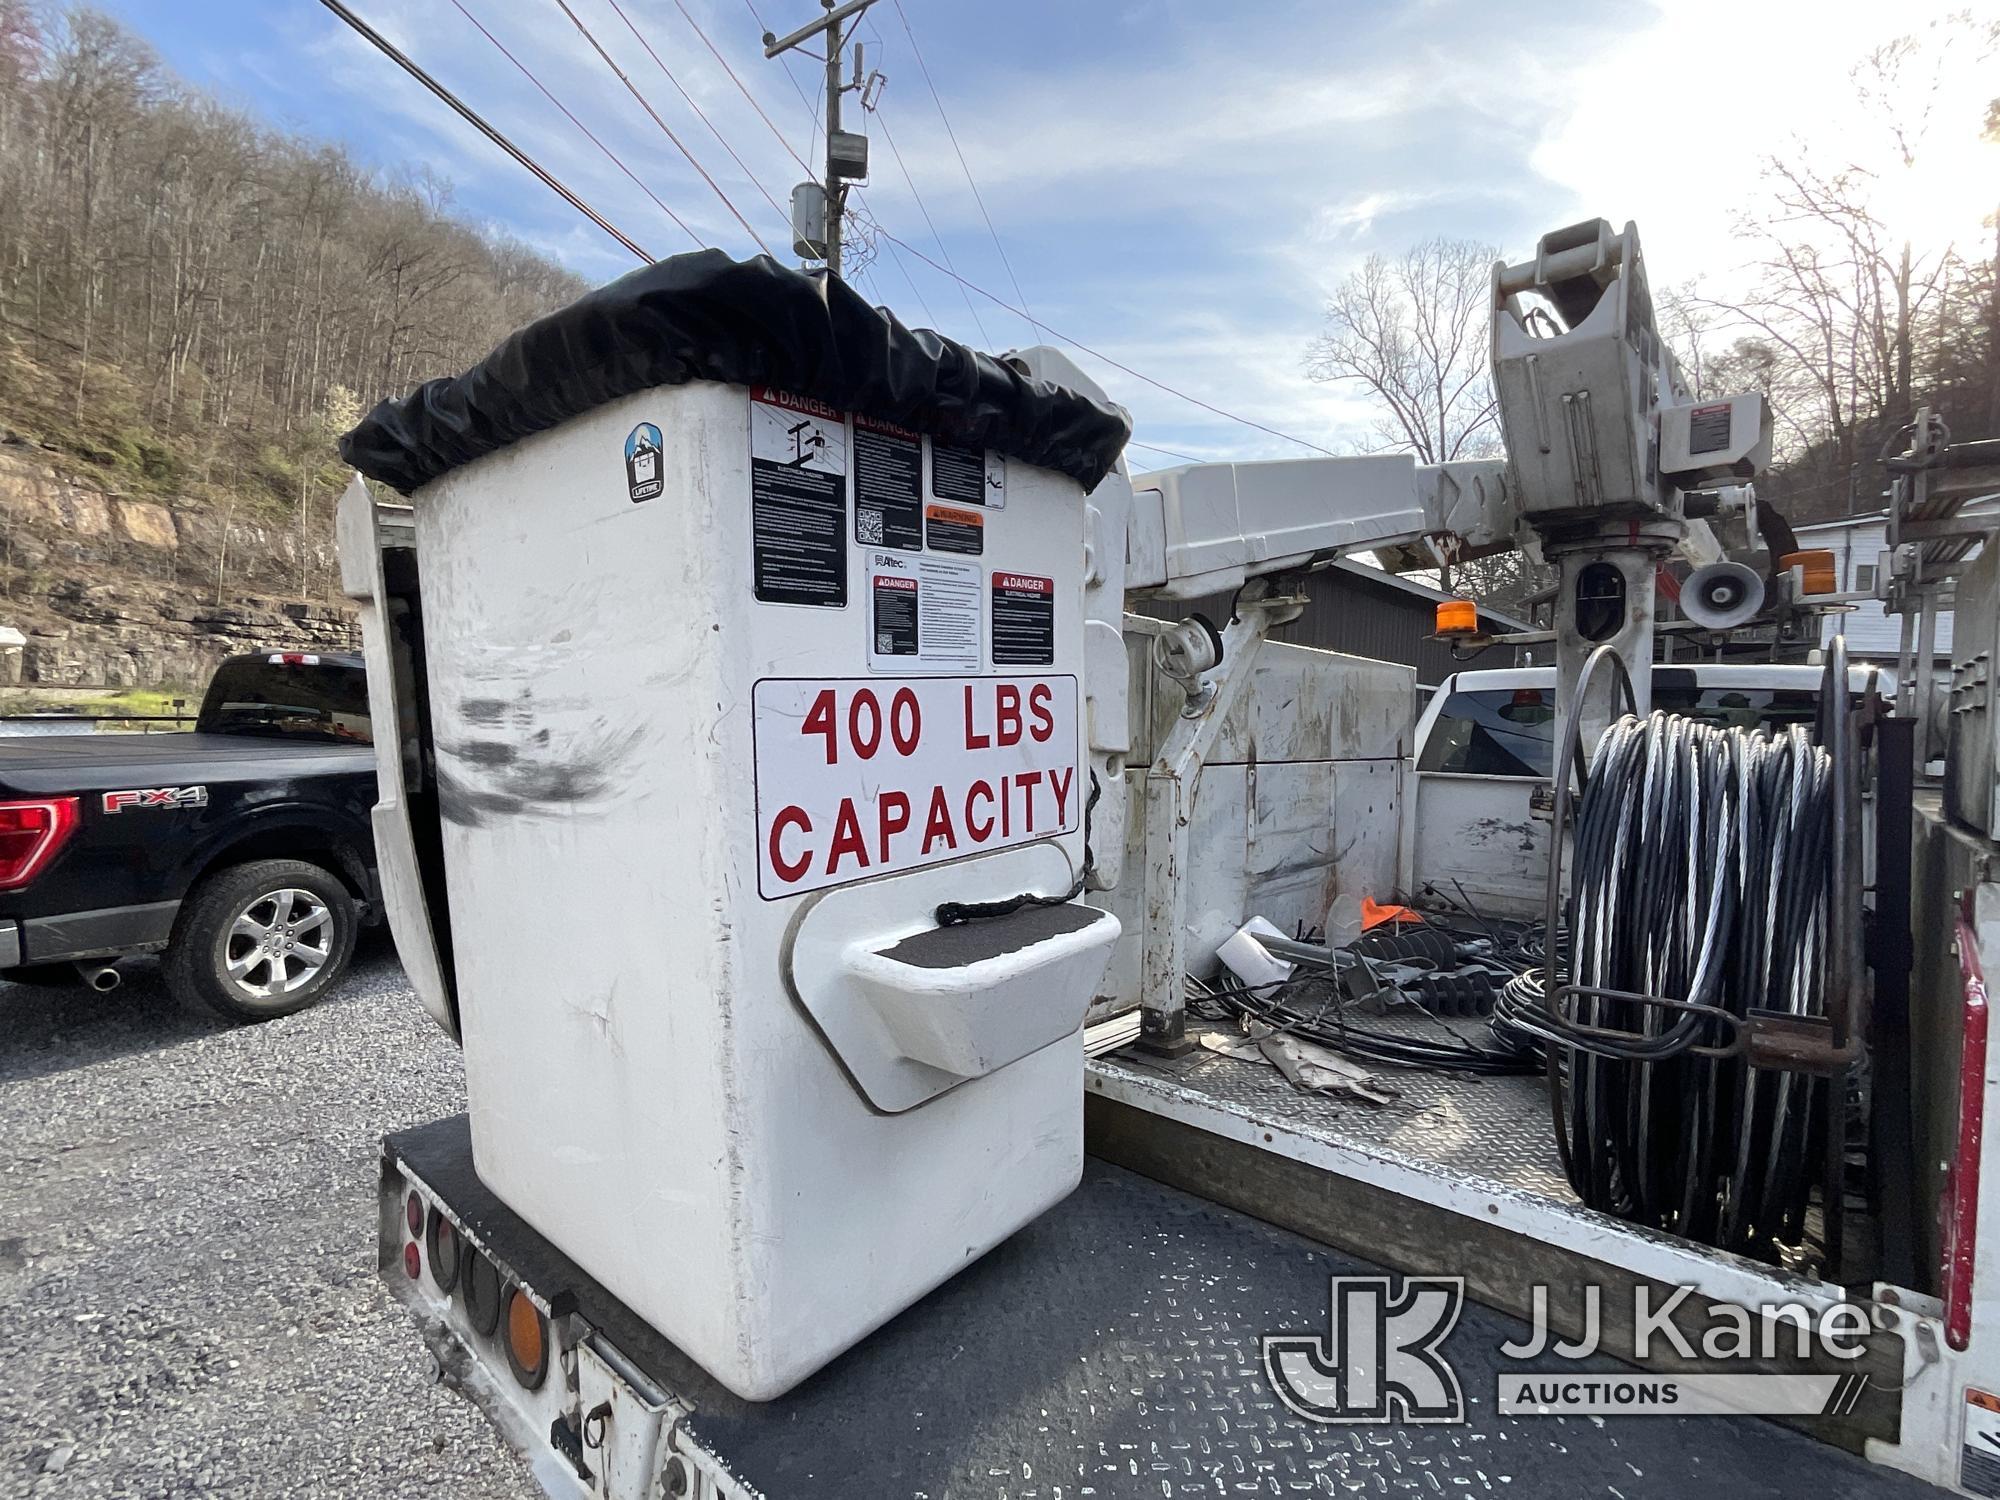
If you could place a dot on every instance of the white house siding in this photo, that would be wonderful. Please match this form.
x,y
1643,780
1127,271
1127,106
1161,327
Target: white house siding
x,y
1871,632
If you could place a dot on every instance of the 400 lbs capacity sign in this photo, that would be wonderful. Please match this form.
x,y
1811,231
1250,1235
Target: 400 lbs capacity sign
x,y
861,777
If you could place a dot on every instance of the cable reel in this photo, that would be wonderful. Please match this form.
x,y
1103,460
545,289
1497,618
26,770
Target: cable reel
x,y
1696,1046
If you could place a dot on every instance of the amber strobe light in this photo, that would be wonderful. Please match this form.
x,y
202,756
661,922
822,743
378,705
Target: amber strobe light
x,y
527,1339
1457,617
1817,574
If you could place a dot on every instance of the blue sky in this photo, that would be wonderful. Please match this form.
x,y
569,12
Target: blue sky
x,y
1176,184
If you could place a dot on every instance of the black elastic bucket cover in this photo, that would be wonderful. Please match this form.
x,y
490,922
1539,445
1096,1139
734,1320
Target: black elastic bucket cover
x,y
706,317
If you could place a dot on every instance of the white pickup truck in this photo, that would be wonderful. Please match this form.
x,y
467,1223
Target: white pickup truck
x,y
1478,789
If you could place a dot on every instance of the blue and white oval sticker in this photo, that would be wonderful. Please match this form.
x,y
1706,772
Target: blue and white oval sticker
x,y
642,462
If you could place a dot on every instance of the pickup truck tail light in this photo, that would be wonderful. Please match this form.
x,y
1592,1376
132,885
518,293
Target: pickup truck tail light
x,y
30,835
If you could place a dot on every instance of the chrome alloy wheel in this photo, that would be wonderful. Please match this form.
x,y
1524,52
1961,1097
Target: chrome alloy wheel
x,y
278,943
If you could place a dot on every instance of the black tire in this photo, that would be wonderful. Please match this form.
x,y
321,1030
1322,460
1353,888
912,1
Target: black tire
x,y
295,970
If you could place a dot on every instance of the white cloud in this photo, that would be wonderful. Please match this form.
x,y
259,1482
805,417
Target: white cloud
x,y
1672,125
1184,204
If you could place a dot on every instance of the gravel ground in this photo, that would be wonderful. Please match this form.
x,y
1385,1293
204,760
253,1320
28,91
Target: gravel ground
x,y
188,1301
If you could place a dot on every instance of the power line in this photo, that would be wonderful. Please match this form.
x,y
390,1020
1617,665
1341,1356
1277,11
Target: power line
x,y
915,290
741,87
615,161
679,145
977,321
1170,452
812,109
783,213
965,166
548,179
1160,385
465,112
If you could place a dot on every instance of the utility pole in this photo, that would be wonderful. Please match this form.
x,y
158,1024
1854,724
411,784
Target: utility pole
x,y
817,207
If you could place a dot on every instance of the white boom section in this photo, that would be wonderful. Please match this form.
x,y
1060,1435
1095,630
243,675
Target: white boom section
x,y
1205,529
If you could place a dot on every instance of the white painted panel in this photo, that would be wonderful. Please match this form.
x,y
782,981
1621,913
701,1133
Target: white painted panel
x,y
644,1088
1478,830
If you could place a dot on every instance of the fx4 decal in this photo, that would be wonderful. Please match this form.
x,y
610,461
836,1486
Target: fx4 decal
x,y
156,796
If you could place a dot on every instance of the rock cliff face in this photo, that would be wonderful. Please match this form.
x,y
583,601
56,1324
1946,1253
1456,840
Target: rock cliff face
x,y
117,590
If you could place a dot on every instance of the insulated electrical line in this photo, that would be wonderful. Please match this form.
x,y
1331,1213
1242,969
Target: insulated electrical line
x,y
1156,448
1700,875
665,130
583,207
915,290
744,89
963,284
465,112
615,160
639,36
812,110
1060,337
965,166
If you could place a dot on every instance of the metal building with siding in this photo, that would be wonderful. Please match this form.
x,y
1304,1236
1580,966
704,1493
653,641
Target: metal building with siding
x,y
1365,611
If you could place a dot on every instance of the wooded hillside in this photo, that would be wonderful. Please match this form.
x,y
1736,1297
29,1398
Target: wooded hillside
x,y
195,304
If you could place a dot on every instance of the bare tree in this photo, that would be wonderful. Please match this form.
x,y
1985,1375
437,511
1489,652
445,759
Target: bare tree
x,y
184,292
1849,315
1412,333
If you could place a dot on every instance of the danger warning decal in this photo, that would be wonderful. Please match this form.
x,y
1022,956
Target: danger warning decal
x,y
864,777
923,614
798,500
1024,620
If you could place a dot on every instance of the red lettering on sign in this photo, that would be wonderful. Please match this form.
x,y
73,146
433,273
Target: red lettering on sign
x,y
865,745
846,839
973,739
906,721
1044,725
1006,714
786,399
887,803
1027,781
791,817
1059,784
937,826
819,720
978,832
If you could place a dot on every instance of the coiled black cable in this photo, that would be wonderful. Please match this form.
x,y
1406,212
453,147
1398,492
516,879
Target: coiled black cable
x,y
1700,874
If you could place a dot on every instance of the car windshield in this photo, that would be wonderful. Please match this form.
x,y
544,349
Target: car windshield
x,y
290,700
1511,731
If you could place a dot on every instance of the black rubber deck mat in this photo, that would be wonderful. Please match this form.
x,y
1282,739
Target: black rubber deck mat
x,y
1111,1349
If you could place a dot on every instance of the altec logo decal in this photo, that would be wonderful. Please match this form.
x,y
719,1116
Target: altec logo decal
x,y
156,796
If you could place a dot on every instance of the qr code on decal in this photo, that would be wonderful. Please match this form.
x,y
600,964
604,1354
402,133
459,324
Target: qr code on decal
x,y
885,643
868,529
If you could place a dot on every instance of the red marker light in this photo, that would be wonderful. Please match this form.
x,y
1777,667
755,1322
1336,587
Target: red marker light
x,y
413,1214
413,1263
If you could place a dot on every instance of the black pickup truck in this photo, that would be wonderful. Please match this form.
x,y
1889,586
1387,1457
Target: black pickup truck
x,y
242,851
